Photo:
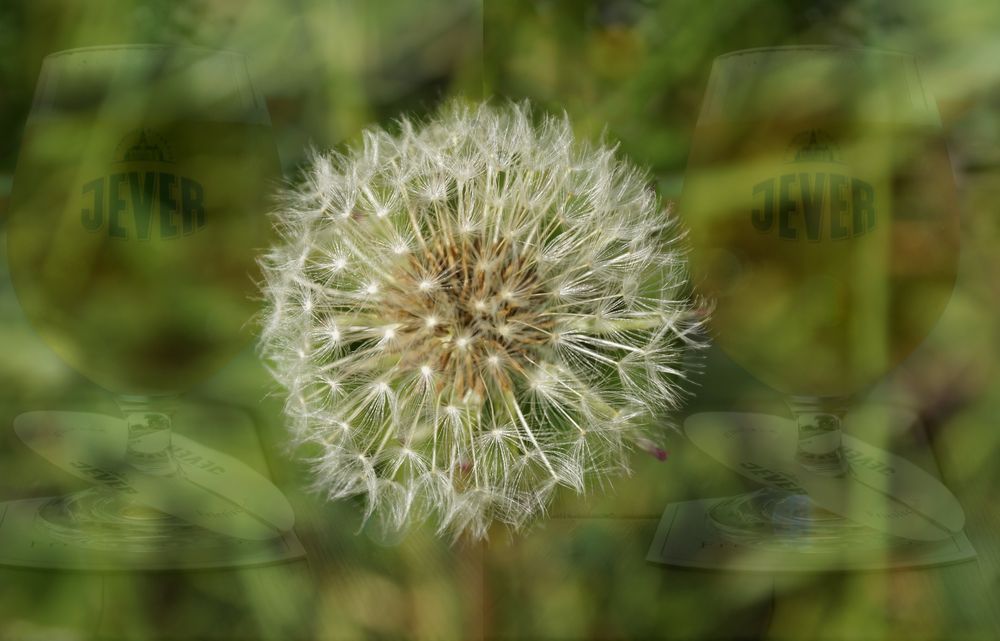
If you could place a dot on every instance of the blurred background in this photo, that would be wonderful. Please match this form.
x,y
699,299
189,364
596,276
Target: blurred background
x,y
633,72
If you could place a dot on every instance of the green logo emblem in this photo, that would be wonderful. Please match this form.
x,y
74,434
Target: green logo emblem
x,y
814,205
144,197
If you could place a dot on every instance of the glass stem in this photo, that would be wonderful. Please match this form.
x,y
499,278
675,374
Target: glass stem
x,y
149,428
820,448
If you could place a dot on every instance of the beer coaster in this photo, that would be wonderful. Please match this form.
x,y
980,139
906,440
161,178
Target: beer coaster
x,y
687,536
881,490
35,533
211,489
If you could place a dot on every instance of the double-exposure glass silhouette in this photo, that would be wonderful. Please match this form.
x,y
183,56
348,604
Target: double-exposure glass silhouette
x,y
139,199
824,224
139,204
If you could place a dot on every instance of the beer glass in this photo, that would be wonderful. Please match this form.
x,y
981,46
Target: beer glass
x,y
823,218
138,207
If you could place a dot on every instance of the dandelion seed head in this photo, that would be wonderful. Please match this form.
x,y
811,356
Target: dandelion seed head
x,y
475,294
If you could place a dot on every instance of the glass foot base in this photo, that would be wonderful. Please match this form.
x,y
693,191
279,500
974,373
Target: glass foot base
x,y
878,489
102,519
769,531
206,488
97,531
778,520
212,511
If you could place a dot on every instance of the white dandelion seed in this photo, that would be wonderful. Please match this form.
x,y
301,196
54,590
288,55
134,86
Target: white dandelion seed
x,y
489,309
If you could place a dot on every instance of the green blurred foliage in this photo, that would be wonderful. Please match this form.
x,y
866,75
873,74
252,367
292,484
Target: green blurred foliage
x,y
326,67
638,68
635,72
